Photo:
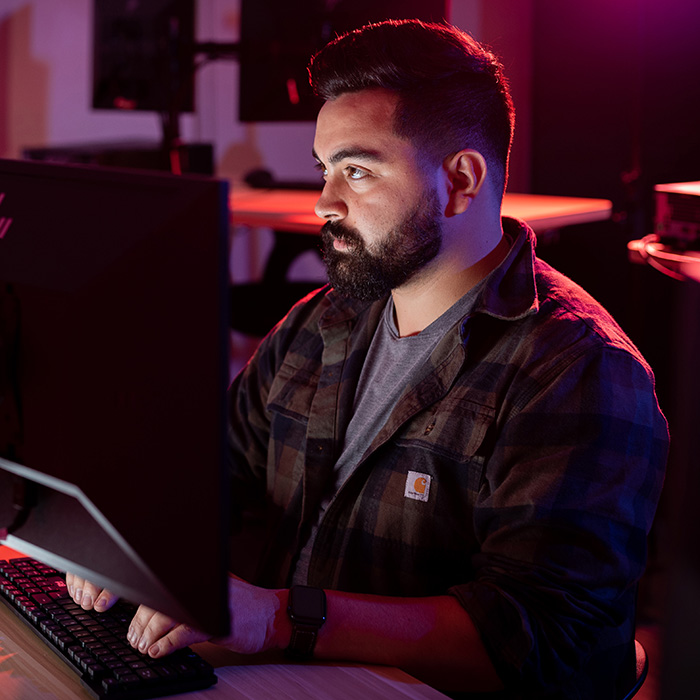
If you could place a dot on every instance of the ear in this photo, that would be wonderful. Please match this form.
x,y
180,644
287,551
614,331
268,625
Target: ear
x,y
466,173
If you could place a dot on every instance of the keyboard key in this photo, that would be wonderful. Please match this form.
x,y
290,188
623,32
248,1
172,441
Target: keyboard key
x,y
110,686
96,670
148,674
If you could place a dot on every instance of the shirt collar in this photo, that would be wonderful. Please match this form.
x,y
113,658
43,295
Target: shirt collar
x,y
510,291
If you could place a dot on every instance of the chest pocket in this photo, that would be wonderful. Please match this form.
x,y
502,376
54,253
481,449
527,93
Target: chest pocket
x,y
292,392
455,429
450,441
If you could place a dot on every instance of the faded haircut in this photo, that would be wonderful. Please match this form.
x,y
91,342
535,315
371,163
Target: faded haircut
x,y
452,93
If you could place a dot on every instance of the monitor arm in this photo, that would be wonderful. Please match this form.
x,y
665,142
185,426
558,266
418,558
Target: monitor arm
x,y
203,52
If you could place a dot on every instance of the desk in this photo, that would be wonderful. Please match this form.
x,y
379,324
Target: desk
x,y
29,669
290,213
293,210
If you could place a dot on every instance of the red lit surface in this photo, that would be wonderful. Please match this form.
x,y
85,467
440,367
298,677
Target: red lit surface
x,y
293,210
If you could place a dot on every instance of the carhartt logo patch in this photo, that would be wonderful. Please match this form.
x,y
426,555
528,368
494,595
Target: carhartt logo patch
x,y
417,486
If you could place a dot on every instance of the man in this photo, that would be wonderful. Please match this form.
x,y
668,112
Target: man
x,y
462,449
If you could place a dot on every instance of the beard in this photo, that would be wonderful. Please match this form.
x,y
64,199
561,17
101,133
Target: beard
x,y
369,274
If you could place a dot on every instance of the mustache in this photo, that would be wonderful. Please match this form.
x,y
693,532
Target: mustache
x,y
341,232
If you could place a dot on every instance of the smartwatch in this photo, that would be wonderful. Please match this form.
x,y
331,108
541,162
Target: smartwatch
x,y
307,611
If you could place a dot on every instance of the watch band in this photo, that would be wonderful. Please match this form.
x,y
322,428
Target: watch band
x,y
307,612
302,643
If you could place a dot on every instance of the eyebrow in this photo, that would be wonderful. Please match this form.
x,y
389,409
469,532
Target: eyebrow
x,y
366,154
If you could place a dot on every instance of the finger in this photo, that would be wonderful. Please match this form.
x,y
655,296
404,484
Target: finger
x,y
105,600
138,625
73,584
148,626
76,587
178,637
158,635
88,595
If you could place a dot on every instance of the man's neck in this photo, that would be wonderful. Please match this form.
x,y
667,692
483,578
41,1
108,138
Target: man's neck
x,y
423,300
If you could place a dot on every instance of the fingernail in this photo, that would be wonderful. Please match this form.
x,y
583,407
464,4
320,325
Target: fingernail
x,y
143,646
154,651
100,604
78,595
87,601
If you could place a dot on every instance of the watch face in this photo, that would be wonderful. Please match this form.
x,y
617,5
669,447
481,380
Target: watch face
x,y
307,604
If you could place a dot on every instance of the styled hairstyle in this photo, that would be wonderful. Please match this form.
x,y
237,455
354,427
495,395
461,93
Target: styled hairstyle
x,y
452,93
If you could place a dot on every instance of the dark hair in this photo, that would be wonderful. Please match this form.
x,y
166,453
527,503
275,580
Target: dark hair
x,y
452,91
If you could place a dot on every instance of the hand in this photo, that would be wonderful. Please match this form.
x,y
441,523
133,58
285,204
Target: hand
x,y
258,618
88,595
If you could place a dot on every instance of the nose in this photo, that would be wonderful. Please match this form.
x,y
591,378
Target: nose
x,y
330,204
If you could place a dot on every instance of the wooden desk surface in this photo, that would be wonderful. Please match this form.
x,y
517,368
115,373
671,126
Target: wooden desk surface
x,y
29,670
293,210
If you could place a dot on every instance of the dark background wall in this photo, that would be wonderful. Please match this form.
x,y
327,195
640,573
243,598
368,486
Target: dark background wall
x,y
616,109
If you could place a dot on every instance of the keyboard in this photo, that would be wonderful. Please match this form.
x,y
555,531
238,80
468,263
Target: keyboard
x,y
94,644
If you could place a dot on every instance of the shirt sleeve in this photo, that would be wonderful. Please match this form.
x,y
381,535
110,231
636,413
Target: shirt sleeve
x,y
566,503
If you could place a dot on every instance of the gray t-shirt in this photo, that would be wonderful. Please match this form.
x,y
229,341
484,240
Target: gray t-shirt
x,y
392,364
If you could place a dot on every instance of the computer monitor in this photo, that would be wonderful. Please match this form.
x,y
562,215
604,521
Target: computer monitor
x,y
278,37
113,377
143,55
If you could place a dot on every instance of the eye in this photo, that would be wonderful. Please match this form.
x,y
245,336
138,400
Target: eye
x,y
322,169
354,173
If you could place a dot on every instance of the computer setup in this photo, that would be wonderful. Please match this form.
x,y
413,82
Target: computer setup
x,y
113,377
114,339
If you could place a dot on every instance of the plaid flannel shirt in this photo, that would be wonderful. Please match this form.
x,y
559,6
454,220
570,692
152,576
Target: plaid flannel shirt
x,y
539,448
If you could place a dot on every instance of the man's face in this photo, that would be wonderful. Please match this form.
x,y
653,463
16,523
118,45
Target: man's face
x,y
383,213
